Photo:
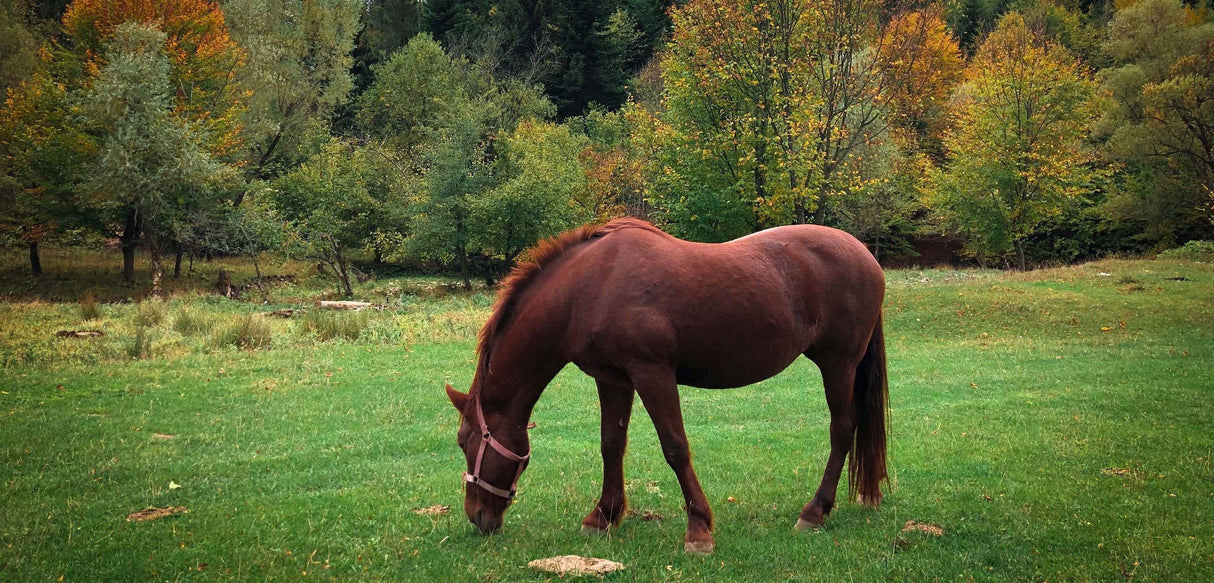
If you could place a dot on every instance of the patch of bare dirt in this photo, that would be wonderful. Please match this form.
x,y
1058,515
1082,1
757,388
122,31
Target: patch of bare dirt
x,y
923,527
575,565
436,510
1123,472
647,515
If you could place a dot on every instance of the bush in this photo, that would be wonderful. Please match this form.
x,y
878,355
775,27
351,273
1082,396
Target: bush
x,y
89,308
151,314
190,321
249,331
1202,251
326,326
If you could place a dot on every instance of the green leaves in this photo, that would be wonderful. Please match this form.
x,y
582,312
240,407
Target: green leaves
x,y
149,157
1159,120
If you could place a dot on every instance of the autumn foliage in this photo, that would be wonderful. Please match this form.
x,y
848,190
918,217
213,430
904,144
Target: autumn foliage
x,y
203,58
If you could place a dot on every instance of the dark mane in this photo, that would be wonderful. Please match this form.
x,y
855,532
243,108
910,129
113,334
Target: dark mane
x,y
525,272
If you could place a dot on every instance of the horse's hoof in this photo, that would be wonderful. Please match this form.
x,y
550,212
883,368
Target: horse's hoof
x,y
803,524
699,547
594,530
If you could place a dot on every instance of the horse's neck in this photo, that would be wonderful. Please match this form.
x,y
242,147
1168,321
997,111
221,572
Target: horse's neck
x,y
524,359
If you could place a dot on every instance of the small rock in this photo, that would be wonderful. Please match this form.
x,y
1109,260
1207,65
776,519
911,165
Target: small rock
x,y
575,565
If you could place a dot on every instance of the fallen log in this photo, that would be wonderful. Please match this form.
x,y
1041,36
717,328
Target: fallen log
x,y
343,305
79,333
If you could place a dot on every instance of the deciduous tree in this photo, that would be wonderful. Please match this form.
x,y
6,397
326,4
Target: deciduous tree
x,y
331,204
151,164
1017,155
1160,122
203,58
297,70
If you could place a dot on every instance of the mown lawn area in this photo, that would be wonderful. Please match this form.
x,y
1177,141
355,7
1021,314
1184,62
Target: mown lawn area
x,y
1055,424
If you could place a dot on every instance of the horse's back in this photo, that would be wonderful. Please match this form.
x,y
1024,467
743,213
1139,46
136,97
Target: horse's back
x,y
726,314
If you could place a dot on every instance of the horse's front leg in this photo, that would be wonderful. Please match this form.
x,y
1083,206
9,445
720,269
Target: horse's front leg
x,y
660,394
616,403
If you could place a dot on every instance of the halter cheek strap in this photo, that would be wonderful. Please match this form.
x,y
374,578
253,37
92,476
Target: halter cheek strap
x,y
487,440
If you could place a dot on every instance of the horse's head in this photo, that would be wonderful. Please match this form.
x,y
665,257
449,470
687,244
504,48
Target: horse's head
x,y
493,468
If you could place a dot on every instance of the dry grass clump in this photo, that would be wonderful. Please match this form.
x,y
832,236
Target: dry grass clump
x,y
247,332
325,326
89,308
189,321
151,314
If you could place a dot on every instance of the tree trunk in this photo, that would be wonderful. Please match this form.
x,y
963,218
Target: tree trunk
x,y
157,268
261,286
463,268
177,261
1020,254
820,213
130,235
343,271
35,260
128,262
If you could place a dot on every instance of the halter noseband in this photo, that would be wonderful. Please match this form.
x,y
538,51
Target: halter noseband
x,y
488,440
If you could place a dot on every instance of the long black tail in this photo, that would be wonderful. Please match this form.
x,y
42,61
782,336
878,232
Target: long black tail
x,y
866,464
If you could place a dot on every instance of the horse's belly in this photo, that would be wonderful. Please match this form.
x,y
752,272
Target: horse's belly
x,y
727,369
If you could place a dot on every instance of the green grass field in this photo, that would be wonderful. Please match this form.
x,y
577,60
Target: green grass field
x,y
1056,425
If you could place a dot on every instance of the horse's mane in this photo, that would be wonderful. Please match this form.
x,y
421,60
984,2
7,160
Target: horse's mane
x,y
525,272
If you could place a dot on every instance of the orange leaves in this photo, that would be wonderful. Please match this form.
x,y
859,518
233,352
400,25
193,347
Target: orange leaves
x,y
924,64
202,55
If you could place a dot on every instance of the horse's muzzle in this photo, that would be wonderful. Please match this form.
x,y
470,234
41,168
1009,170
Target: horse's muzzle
x,y
485,523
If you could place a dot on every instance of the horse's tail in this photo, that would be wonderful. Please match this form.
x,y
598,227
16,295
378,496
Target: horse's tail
x,y
866,464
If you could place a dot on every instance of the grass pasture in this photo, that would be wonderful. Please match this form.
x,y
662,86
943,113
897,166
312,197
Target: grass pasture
x,y
1054,424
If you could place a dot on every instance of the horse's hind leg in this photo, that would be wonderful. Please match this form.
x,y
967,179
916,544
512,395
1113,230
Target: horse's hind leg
x,y
616,404
660,394
839,382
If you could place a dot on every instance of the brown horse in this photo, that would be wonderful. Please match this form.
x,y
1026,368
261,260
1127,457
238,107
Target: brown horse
x,y
643,312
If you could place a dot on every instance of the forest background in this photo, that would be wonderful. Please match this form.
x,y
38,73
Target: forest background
x,y
452,135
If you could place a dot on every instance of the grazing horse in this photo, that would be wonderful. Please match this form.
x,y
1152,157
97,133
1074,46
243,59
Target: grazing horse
x,y
643,312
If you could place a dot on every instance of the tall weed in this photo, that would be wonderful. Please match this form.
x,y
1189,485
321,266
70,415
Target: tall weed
x,y
151,314
189,321
326,326
89,308
140,346
248,331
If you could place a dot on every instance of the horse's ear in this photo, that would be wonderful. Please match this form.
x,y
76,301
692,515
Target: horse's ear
x,y
460,400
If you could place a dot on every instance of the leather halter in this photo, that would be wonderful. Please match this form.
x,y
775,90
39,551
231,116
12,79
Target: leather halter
x,y
487,440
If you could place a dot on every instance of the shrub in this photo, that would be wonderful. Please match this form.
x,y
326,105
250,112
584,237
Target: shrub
x,y
89,308
249,331
1192,251
190,321
151,314
326,326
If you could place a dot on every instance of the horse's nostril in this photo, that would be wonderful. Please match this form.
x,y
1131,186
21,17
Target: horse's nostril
x,y
479,516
